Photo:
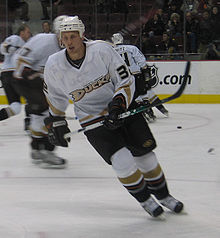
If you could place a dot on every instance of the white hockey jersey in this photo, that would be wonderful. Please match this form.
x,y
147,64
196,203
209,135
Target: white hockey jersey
x,y
8,48
102,75
132,56
135,60
35,53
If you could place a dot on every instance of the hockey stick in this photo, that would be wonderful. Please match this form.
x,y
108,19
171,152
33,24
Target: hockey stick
x,y
71,118
144,108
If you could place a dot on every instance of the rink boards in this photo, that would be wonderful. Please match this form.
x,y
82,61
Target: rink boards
x,y
203,81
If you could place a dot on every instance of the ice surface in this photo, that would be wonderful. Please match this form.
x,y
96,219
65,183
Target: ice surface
x,y
85,200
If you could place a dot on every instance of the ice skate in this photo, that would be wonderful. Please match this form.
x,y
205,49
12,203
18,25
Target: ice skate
x,y
36,156
164,111
172,204
152,207
47,159
149,116
27,125
51,160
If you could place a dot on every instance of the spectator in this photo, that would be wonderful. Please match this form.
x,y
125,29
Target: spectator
x,y
191,33
46,27
173,9
168,3
212,53
190,6
154,27
148,46
215,18
175,26
178,3
101,6
55,7
45,4
168,46
205,33
22,5
205,5
163,16
64,7
119,6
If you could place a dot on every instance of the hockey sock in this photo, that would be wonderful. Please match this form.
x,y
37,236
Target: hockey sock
x,y
136,186
156,182
3,114
41,144
153,174
129,175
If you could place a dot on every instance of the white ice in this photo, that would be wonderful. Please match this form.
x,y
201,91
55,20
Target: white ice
x,y
85,200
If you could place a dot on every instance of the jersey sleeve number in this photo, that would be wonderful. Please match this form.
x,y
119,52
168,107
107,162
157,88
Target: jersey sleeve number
x,y
123,71
45,88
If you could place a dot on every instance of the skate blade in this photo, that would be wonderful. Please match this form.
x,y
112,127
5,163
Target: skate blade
x,y
44,165
161,217
150,120
183,212
166,114
36,161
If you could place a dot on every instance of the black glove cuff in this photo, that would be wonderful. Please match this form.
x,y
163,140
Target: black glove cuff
x,y
30,74
147,73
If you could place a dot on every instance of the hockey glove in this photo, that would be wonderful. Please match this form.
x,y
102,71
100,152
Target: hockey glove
x,y
146,74
30,74
115,108
57,128
9,49
140,85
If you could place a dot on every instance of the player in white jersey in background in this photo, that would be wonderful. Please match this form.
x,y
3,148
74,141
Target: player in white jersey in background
x,y
97,80
30,62
8,48
136,62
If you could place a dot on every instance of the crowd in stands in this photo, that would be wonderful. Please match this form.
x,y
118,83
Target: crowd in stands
x,y
166,29
176,27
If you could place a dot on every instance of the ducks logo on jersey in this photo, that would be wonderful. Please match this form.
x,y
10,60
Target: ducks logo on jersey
x,y
79,93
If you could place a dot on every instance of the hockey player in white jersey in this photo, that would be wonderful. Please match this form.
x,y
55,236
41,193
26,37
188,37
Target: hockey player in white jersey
x,y
30,62
136,62
97,80
8,48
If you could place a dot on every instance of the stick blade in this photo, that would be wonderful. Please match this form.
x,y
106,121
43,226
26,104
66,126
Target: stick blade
x,y
179,92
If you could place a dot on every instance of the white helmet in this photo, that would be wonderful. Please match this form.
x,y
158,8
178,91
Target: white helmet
x,y
117,38
56,23
72,24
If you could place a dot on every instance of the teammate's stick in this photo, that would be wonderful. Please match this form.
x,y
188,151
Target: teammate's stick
x,y
143,108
